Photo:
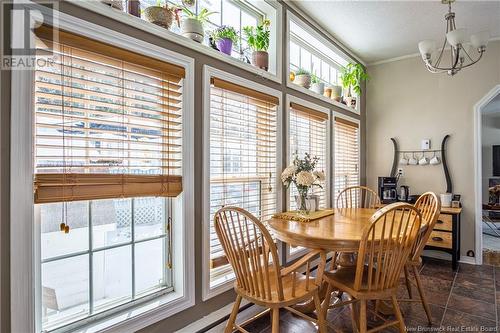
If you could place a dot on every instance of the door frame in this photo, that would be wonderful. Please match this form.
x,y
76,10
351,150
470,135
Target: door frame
x,y
478,164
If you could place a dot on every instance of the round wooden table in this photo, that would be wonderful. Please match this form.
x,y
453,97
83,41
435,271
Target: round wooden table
x,y
340,232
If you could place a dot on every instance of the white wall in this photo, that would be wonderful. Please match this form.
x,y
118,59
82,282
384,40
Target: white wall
x,y
490,135
407,102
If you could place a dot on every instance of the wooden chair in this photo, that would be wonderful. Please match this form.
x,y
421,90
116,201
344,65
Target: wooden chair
x,y
429,206
259,276
383,252
358,197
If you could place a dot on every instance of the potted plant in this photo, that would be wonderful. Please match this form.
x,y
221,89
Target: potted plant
x,y
161,14
258,41
336,93
301,173
303,78
117,4
192,24
317,86
224,38
352,76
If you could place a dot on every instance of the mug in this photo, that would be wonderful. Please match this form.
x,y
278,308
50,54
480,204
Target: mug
x,y
413,161
403,161
423,161
435,160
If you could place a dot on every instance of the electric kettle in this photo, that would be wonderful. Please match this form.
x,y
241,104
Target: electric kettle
x,y
404,193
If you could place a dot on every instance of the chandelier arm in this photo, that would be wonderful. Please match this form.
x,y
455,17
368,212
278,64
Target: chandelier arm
x,y
438,61
457,56
470,58
434,69
474,61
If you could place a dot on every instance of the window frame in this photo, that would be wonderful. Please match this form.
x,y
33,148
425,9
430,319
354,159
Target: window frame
x,y
25,244
332,179
139,23
208,73
292,17
289,256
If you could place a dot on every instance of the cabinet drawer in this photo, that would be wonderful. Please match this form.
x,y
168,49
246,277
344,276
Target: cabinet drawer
x,y
440,239
444,222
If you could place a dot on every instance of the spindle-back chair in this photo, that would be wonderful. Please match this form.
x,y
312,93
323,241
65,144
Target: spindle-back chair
x,y
358,197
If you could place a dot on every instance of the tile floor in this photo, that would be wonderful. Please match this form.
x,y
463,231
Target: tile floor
x,y
467,300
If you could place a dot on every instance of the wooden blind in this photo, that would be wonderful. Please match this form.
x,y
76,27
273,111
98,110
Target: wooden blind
x,y
308,134
346,154
242,157
108,123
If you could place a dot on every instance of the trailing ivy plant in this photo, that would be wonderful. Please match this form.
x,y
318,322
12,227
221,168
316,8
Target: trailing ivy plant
x,y
301,71
258,38
315,78
352,76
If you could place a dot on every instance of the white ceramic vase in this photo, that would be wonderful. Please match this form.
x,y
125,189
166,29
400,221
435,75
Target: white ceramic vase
x,y
192,29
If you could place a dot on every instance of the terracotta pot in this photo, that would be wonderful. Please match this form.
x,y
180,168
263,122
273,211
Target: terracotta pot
x,y
160,16
303,80
318,88
260,59
192,29
117,4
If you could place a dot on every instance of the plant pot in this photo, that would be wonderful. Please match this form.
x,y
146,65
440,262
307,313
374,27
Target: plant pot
x,y
134,8
117,4
351,101
337,93
303,80
192,29
160,16
225,45
260,59
318,88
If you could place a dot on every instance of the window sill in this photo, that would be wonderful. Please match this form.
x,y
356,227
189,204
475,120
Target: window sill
x,y
136,22
141,316
321,97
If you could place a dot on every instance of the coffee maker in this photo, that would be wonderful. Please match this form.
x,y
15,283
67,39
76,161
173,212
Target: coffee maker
x,y
387,189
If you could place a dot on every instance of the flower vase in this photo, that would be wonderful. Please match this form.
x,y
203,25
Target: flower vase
x,y
302,203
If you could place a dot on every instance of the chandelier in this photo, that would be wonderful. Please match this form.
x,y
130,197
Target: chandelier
x,y
461,54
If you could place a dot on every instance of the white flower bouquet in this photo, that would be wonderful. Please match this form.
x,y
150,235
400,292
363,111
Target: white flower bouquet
x,y
301,173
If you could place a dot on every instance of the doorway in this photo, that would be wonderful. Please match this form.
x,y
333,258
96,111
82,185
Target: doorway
x,y
487,180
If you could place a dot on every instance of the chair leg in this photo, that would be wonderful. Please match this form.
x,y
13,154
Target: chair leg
x,y
399,316
319,313
275,320
362,317
232,317
355,316
326,301
422,294
408,283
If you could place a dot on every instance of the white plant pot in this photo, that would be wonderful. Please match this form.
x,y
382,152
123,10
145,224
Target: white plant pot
x,y
336,92
318,88
192,29
303,80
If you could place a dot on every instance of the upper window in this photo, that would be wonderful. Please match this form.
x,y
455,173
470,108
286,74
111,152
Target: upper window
x,y
346,154
231,13
243,162
315,64
108,170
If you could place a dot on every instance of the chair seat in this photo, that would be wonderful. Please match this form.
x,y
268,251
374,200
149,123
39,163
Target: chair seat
x,y
291,294
343,278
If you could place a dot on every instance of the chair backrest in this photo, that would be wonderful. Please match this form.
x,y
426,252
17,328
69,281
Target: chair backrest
x,y
429,206
358,197
251,252
385,246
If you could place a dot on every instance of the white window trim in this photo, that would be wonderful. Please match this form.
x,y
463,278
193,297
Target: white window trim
x,y
136,22
24,271
332,180
290,84
208,73
293,99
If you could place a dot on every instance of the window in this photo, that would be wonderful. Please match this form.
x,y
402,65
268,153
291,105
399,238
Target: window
x,y
108,172
311,52
242,160
309,134
346,154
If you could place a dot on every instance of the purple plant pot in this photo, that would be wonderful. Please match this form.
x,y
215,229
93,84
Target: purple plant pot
x,y
225,45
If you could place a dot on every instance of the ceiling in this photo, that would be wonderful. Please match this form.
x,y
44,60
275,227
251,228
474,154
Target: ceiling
x,y
381,30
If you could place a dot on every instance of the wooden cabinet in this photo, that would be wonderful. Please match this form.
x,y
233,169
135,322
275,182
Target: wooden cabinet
x,y
446,234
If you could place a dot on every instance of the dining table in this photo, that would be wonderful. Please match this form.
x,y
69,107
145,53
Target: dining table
x,y
340,232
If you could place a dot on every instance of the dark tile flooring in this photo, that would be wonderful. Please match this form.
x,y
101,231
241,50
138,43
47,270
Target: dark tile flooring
x,y
467,300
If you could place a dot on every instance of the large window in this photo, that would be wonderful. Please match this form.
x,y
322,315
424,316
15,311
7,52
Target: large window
x,y
242,160
347,149
108,170
308,130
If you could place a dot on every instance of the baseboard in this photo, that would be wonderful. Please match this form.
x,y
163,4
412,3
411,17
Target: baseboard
x,y
468,260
